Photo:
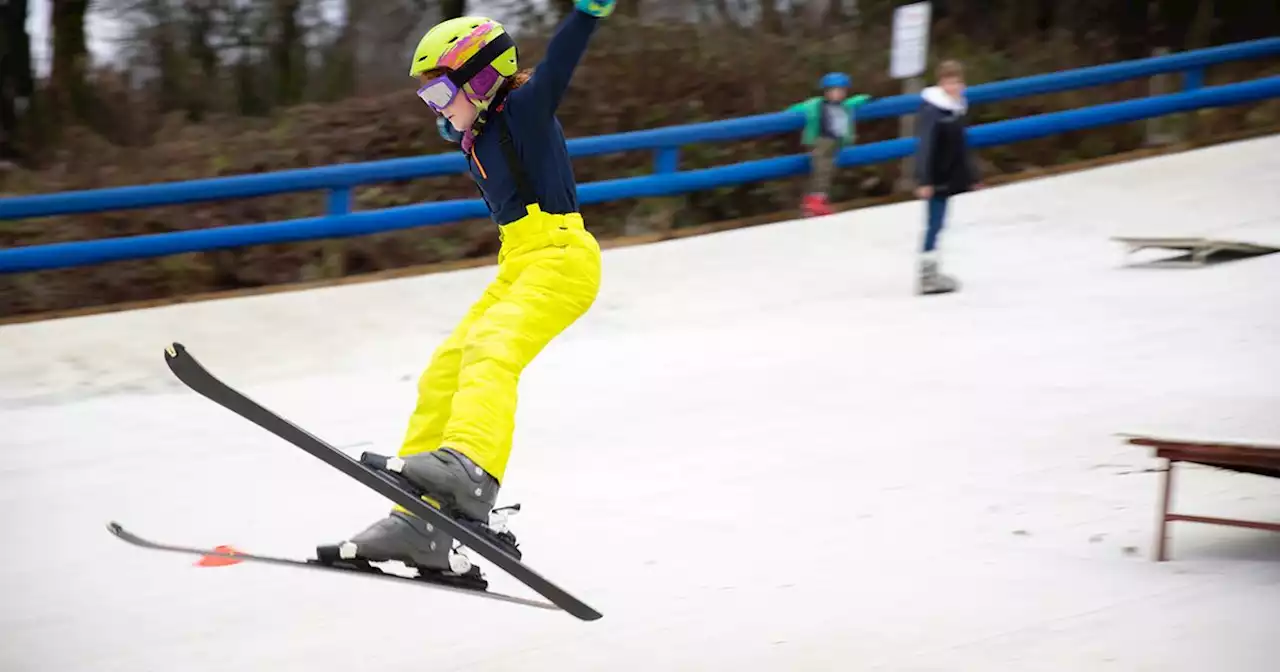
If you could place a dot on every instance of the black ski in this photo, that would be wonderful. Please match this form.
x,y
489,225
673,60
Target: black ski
x,y
195,376
363,569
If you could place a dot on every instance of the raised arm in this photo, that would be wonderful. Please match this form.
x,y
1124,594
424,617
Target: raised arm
x,y
854,102
547,85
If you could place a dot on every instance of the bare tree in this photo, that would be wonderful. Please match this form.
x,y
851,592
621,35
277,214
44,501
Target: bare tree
x,y
16,82
287,52
69,88
201,34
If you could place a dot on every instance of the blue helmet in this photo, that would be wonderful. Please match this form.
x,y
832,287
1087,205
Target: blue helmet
x,y
834,80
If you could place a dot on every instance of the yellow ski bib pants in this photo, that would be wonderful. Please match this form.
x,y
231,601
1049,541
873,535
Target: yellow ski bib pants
x,y
548,276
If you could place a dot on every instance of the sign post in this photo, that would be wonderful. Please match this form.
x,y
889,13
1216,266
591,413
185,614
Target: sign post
x,y
908,60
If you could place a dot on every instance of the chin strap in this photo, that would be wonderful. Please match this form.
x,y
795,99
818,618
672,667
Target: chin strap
x,y
493,105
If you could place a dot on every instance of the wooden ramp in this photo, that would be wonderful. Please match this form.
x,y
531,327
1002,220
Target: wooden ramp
x,y
1198,251
1262,459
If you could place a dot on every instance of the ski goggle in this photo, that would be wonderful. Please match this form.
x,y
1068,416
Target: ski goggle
x,y
438,93
441,91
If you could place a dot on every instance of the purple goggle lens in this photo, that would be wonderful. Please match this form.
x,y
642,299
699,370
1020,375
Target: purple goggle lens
x,y
438,93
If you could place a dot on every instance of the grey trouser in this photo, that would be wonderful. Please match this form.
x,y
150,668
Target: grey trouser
x,y
822,159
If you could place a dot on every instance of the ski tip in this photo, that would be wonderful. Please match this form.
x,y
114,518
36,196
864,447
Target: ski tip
x,y
220,559
586,613
173,350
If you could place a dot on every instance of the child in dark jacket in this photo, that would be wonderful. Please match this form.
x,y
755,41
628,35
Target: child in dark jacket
x,y
944,166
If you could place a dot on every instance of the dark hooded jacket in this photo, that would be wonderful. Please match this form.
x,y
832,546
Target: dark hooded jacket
x,y
943,158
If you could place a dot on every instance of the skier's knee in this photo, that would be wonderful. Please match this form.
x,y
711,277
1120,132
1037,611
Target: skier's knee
x,y
494,355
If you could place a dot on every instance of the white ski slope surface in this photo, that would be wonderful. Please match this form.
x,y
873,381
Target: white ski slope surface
x,y
759,451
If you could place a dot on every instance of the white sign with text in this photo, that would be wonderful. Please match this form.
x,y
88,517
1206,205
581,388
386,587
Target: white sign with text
x,y
910,40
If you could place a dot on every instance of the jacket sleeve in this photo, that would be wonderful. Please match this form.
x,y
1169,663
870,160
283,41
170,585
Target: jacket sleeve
x,y
807,105
546,87
854,102
926,119
809,108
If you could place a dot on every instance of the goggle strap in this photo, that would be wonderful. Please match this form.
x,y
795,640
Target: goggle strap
x,y
481,60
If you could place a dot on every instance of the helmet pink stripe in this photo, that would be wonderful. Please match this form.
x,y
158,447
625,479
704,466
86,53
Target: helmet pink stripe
x,y
467,47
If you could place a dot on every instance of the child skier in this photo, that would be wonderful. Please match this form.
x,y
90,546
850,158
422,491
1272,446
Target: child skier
x,y
459,435
828,126
944,166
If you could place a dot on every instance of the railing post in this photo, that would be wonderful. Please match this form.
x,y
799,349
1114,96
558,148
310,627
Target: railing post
x,y
657,215
667,160
911,86
1157,128
340,201
1193,79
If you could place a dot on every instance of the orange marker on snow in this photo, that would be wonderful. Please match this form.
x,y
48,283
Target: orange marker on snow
x,y
218,560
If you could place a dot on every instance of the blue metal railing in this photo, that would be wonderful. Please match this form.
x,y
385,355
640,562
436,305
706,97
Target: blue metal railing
x,y
667,178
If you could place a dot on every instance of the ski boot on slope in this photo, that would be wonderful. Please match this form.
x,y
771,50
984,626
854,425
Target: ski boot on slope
x,y
448,481
933,281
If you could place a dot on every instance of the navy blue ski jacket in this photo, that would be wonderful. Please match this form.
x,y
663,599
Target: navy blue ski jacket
x,y
530,113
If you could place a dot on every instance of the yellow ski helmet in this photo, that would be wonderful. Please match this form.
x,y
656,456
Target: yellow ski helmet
x,y
477,52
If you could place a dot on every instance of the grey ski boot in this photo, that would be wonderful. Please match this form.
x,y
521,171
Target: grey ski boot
x,y
449,478
400,536
933,281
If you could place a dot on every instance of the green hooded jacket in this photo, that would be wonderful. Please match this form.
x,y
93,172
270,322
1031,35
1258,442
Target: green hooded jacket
x,y
812,109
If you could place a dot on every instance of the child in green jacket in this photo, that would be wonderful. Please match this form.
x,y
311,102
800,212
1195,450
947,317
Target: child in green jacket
x,y
829,126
